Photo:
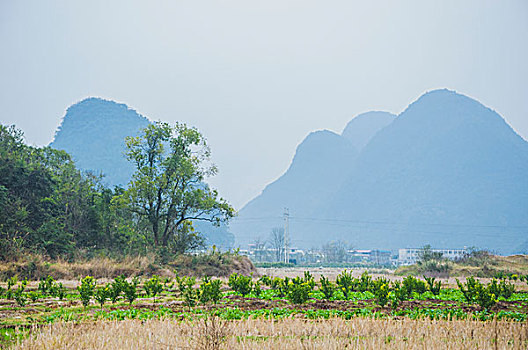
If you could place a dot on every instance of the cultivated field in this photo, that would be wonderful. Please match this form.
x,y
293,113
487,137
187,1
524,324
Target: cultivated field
x,y
281,309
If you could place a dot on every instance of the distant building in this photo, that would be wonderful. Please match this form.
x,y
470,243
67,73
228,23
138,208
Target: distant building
x,y
296,256
373,256
409,256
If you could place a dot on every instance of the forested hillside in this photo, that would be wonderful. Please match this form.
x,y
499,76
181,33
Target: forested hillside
x,y
49,207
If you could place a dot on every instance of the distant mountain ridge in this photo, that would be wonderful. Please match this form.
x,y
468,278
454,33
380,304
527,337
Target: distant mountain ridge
x,y
93,132
447,171
362,128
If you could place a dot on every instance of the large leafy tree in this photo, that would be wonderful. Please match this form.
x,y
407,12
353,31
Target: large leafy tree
x,y
168,190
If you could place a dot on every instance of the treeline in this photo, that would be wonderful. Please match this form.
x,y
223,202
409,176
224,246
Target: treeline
x,y
49,207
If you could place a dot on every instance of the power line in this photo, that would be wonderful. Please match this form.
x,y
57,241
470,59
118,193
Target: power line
x,y
379,222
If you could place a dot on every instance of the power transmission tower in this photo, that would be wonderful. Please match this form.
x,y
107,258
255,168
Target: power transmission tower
x,y
286,235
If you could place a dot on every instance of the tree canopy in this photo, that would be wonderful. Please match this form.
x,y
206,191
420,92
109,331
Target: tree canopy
x,y
49,207
168,189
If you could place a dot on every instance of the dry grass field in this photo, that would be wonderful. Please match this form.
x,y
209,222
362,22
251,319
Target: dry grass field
x,y
291,333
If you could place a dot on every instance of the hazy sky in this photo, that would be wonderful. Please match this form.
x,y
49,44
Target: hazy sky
x,y
257,76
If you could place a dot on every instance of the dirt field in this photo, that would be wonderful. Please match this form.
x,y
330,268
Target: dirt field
x,y
332,273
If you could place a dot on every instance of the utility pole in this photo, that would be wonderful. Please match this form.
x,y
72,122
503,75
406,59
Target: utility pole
x,y
286,235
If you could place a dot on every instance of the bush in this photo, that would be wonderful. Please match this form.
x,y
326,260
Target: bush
x,y
210,290
130,290
86,289
189,294
257,290
502,288
12,281
433,286
327,287
363,284
34,296
116,288
19,294
153,287
298,293
280,286
411,284
345,282
101,294
476,293
58,290
399,293
381,289
240,284
45,285
266,280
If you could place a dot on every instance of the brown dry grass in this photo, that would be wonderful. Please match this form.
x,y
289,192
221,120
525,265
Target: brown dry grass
x,y
34,267
358,333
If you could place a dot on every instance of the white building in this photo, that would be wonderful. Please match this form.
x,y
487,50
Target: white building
x,y
409,256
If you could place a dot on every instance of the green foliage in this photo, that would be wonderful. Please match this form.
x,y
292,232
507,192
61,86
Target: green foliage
x,y
49,207
210,290
265,280
19,295
130,289
12,281
240,283
186,290
48,286
298,293
45,285
34,296
475,292
153,287
364,283
102,294
381,289
411,284
433,286
327,287
502,288
167,283
257,290
168,189
398,294
86,290
58,290
189,293
116,288
345,282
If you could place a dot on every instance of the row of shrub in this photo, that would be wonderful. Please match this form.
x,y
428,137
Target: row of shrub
x,y
298,290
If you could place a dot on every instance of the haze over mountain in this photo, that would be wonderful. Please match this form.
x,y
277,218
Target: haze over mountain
x,y
363,127
93,132
320,165
322,162
447,171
